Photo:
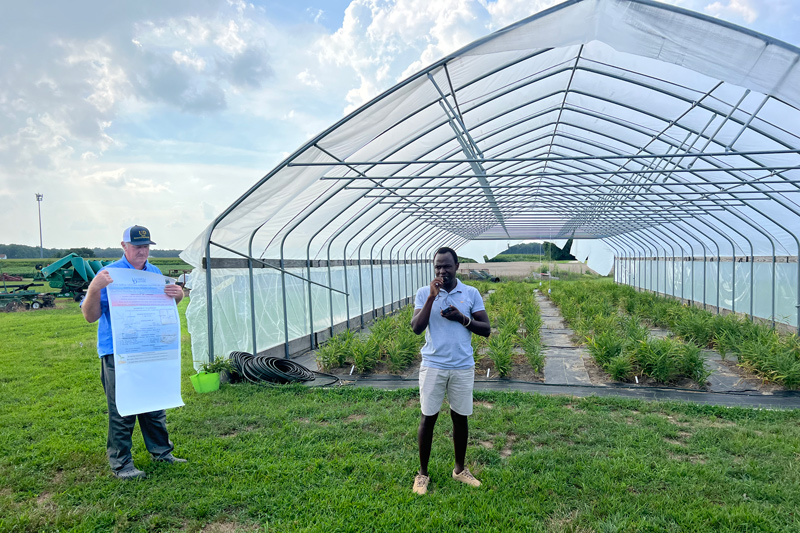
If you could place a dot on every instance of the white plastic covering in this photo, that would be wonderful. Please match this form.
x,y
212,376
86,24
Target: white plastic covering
x,y
648,129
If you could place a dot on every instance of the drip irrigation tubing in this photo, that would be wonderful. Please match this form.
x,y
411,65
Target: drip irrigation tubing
x,y
263,369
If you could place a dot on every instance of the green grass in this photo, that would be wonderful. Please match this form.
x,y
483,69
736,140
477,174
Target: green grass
x,y
298,459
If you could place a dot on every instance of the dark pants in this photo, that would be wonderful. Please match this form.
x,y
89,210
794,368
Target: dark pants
x,y
120,428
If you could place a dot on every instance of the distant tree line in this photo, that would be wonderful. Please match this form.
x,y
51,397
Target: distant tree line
x,y
21,251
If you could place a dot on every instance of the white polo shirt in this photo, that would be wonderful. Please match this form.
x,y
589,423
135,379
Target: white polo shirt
x,y
447,342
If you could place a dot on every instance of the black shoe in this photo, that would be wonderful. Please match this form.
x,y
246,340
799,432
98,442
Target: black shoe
x,y
169,458
129,472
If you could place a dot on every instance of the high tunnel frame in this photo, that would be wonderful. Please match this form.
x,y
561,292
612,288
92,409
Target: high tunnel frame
x,y
582,136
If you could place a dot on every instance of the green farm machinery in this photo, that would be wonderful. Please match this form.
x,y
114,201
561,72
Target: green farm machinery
x,y
71,274
17,296
20,297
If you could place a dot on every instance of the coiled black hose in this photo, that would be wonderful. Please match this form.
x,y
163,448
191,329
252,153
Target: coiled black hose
x,y
265,369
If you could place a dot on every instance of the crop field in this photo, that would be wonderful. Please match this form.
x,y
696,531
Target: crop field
x,y
615,321
294,458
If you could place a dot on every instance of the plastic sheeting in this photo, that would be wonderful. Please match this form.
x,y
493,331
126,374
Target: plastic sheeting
x,y
753,281
232,311
646,128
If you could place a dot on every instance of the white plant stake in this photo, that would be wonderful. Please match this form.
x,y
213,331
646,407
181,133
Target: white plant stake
x,y
351,369
636,378
487,372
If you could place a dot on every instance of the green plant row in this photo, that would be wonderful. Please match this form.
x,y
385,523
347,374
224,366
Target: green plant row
x,y
515,313
758,347
390,339
618,340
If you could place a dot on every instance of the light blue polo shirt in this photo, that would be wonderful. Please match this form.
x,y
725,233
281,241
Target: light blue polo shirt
x,y
105,345
448,344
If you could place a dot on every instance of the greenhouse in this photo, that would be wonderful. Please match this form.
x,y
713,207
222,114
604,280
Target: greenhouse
x,y
665,143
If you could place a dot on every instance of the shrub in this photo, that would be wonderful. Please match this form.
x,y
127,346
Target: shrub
x,y
382,330
786,368
693,365
533,352
334,353
659,358
500,349
605,346
365,354
620,367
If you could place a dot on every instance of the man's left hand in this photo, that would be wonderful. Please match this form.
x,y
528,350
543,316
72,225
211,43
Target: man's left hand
x,y
173,291
452,313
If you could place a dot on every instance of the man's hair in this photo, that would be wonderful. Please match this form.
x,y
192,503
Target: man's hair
x,y
446,250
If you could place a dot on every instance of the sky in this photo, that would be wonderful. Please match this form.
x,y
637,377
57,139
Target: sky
x,y
164,113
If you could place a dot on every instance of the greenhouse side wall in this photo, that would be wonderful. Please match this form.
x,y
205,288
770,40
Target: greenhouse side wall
x,y
714,285
394,287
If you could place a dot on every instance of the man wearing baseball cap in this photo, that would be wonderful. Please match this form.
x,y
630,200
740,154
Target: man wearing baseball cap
x,y
136,247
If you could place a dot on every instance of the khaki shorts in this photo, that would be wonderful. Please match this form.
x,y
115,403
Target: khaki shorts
x,y
457,382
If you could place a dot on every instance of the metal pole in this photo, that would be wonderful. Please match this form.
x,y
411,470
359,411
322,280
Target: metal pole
x,y
39,198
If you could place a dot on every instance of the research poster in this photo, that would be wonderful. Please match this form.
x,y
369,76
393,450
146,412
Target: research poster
x,y
146,332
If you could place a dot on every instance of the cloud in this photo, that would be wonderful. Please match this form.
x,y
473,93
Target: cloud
x,y
384,41
737,8
198,63
505,12
250,68
306,78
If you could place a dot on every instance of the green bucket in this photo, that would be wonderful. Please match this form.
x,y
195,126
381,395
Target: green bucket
x,y
205,382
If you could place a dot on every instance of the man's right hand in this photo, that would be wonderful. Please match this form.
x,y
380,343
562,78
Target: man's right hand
x,y
101,281
90,306
436,284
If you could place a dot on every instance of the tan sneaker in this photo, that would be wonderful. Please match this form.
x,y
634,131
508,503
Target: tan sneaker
x,y
421,484
465,476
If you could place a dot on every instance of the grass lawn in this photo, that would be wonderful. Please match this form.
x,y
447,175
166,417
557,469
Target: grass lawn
x,y
292,458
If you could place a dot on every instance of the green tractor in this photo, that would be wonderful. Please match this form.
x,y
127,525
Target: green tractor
x,y
72,274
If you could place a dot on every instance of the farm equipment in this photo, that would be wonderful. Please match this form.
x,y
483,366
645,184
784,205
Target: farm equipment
x,y
72,274
20,297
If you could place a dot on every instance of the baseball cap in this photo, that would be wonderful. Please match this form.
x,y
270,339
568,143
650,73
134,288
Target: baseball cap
x,y
137,235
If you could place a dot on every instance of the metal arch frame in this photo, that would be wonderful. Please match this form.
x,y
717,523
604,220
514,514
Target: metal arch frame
x,y
428,71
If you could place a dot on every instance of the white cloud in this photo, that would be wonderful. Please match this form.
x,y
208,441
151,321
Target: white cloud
x,y
737,8
229,40
197,63
306,78
505,12
385,41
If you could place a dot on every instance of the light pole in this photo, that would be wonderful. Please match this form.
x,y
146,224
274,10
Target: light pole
x,y
39,203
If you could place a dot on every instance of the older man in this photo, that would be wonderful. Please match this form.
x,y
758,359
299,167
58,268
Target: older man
x,y
136,247
449,312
